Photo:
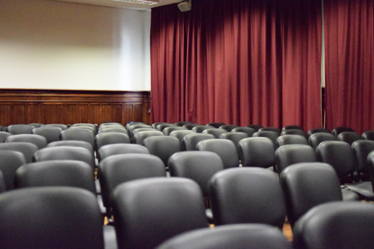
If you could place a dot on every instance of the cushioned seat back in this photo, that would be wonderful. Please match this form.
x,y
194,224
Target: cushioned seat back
x,y
348,136
116,149
9,163
111,138
27,149
294,153
162,147
39,141
139,137
257,152
224,148
191,140
291,139
316,138
51,134
20,129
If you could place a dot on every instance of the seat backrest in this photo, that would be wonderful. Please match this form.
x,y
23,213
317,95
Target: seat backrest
x,y
181,123
199,166
235,137
228,127
294,131
139,137
162,126
54,217
73,143
191,140
116,149
339,155
50,133
214,131
257,152
162,147
190,126
247,130
62,126
9,163
316,138
180,135
241,195
272,135
291,139
368,135
316,130
65,153
158,207
292,127
39,141
275,129
169,130
307,185
237,236
337,130
111,138
118,169
362,149
201,128
287,155
336,225
20,129
370,161
79,134
256,127
119,129
215,124
27,149
2,183
348,136
224,148
69,173
4,135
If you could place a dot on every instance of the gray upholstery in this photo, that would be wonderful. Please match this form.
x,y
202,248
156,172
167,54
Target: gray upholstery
x,y
27,149
199,166
190,126
272,135
336,225
110,138
2,183
159,208
162,126
247,195
249,236
337,130
116,149
180,135
79,134
201,128
275,129
139,137
307,185
181,123
169,130
235,137
316,130
62,126
256,127
191,140
162,147
225,149
4,135
257,152
362,149
368,135
9,163
73,143
348,136
118,169
39,141
54,217
294,131
20,129
215,124
50,133
247,130
229,127
293,153
214,131
292,127
69,173
291,139
316,138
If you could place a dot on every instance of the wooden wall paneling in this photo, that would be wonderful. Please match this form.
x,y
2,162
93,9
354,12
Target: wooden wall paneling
x,y
5,115
100,113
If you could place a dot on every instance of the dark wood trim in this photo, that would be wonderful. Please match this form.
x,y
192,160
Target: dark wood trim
x,y
23,106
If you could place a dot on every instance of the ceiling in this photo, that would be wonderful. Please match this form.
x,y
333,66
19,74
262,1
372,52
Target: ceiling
x,y
115,4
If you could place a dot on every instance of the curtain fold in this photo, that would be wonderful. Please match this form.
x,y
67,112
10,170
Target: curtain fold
x,y
240,62
349,36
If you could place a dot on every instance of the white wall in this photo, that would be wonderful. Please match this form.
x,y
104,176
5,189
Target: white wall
x,y
57,45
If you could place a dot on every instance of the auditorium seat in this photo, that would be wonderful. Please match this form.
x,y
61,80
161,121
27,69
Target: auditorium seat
x,y
348,136
139,137
50,133
179,134
106,138
191,140
277,130
316,138
39,141
79,134
337,130
291,139
116,149
256,127
62,126
228,127
20,129
257,152
224,148
368,135
169,130
149,211
27,149
236,236
201,128
316,130
247,130
247,195
9,163
214,131
292,127
287,155
4,135
162,147
294,131
272,135
215,124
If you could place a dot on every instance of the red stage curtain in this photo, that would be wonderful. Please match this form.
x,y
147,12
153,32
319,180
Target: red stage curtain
x,y
239,62
349,36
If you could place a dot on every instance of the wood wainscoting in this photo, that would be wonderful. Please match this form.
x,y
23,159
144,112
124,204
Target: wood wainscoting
x,y
21,106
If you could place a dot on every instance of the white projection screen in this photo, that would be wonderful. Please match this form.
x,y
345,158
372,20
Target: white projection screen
x,y
58,45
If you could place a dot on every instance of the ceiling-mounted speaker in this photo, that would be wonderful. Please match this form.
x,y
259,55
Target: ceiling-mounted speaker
x,y
185,6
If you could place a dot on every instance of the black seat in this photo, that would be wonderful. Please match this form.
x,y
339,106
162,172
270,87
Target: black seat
x,y
27,149
118,169
292,127
116,149
162,147
256,127
139,137
348,136
224,148
180,135
39,141
169,130
235,137
229,127
316,130
294,153
214,131
247,130
54,217
272,135
316,138
110,138
181,123
368,135
215,124
20,129
337,130
191,140
201,128
79,134
294,132
336,225
230,236
9,163
242,195
50,133
4,135
362,149
257,152
307,185
291,139
159,208
275,129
